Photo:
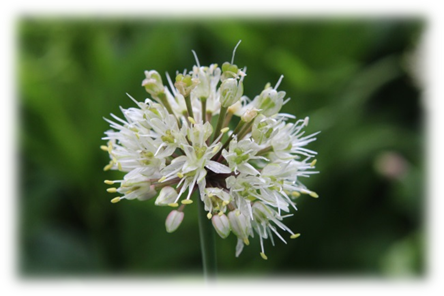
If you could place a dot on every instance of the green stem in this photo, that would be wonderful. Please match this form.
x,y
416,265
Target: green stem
x,y
220,121
189,106
245,130
164,100
207,244
203,101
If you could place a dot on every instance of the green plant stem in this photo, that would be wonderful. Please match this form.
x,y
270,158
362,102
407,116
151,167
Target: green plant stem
x,y
207,244
189,106
203,100
220,121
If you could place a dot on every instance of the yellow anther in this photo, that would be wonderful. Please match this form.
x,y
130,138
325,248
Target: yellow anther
x,y
238,213
173,205
187,201
296,235
161,179
216,148
313,163
191,119
119,166
221,214
264,256
224,130
225,202
209,215
210,195
115,200
104,148
246,241
109,182
314,194
112,190
180,175
295,194
108,167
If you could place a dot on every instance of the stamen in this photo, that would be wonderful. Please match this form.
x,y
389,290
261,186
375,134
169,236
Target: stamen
x,y
187,201
195,56
104,148
209,216
296,235
115,200
223,131
312,164
109,182
173,205
295,194
112,190
279,82
264,256
246,241
314,194
234,52
162,179
191,119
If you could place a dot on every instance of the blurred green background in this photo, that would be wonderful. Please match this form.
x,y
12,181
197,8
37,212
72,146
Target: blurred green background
x,y
356,79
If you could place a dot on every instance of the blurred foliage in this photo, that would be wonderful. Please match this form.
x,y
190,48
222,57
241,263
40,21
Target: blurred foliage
x,y
355,78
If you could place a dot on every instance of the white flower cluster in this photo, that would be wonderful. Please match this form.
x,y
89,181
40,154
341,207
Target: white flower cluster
x,y
180,141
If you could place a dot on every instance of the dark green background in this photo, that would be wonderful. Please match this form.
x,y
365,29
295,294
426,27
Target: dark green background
x,y
355,78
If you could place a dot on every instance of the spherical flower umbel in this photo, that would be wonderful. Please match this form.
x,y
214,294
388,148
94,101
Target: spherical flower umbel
x,y
182,139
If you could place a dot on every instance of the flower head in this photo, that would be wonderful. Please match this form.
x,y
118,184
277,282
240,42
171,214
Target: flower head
x,y
248,175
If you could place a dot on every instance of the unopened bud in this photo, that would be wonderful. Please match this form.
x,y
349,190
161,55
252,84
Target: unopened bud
x,y
269,101
231,91
173,220
221,225
153,83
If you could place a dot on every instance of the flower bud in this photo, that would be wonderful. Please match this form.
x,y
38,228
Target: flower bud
x,y
231,91
173,220
185,84
221,225
203,88
153,83
229,71
270,101
166,196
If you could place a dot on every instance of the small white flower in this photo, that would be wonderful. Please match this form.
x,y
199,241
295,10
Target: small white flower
x,y
247,177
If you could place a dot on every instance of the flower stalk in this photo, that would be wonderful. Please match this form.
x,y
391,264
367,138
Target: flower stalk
x,y
207,245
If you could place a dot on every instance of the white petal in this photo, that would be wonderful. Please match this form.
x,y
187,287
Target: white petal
x,y
239,247
217,167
